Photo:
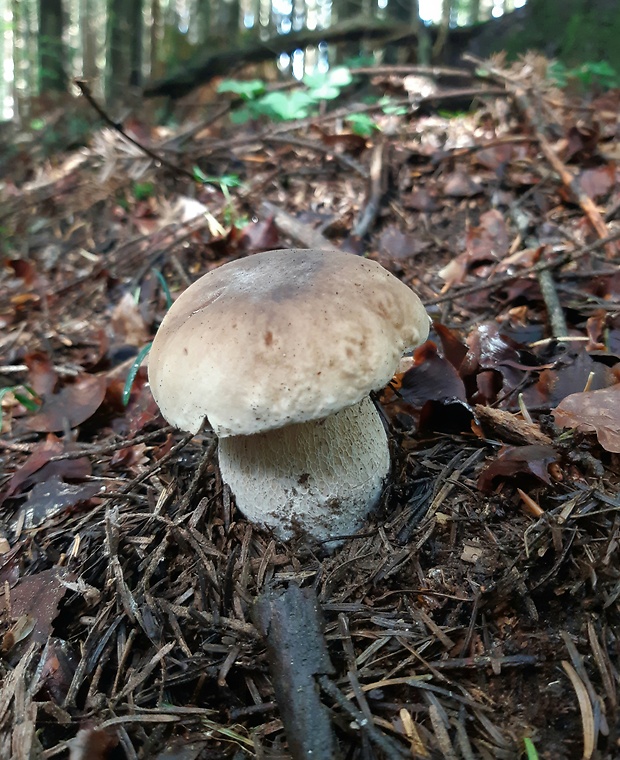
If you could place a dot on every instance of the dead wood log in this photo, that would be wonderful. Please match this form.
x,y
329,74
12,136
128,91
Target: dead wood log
x,y
289,620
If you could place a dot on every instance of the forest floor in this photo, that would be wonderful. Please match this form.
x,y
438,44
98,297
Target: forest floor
x,y
477,613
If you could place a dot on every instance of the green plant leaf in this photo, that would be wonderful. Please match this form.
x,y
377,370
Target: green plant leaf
x,y
327,86
133,371
226,180
30,401
530,749
287,106
362,124
558,73
143,190
243,114
164,286
340,76
325,92
248,90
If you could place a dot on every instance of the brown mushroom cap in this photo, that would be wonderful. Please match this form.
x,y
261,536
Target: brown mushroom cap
x,y
281,337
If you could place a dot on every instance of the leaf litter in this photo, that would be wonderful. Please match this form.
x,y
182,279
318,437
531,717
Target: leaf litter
x,y
476,614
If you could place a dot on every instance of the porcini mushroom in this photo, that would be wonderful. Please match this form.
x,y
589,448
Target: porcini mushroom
x,y
279,352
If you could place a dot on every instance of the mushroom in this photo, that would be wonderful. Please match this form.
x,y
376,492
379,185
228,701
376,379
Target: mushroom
x,y
279,351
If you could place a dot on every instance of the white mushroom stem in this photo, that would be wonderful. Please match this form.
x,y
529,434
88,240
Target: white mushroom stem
x,y
321,477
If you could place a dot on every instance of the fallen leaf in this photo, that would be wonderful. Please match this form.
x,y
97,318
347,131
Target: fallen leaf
x,y
430,378
52,497
454,350
92,743
460,184
259,236
420,199
128,324
599,181
22,627
72,406
38,596
38,468
518,460
593,412
57,668
395,245
488,241
42,377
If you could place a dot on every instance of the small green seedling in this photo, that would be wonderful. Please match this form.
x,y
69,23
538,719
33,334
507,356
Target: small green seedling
x,y
24,394
530,749
362,124
133,371
327,86
246,90
143,190
164,286
293,104
226,180
591,73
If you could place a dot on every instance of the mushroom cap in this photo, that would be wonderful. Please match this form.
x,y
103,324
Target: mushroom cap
x,y
281,337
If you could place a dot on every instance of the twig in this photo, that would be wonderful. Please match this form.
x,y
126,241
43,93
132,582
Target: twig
x,y
391,750
296,142
117,127
299,232
108,448
377,189
525,271
548,290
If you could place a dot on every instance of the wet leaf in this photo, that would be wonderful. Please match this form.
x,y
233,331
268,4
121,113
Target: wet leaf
x,y
569,376
22,627
430,378
37,468
57,668
52,497
42,376
72,406
454,349
513,461
38,597
259,236
394,245
599,181
488,241
593,412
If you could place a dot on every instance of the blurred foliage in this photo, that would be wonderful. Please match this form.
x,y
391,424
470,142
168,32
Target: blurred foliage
x,y
593,74
288,105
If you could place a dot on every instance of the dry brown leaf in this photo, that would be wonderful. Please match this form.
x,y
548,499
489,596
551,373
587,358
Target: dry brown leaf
x,y
593,412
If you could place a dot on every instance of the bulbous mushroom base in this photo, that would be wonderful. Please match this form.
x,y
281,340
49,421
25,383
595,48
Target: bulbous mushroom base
x,y
320,477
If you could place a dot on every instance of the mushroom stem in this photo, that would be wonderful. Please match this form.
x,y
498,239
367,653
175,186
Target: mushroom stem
x,y
321,477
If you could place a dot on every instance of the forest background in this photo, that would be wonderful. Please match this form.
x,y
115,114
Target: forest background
x,y
119,45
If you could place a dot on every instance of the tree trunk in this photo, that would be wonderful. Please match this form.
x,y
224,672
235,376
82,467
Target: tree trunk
x,y
136,31
88,31
124,47
52,74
